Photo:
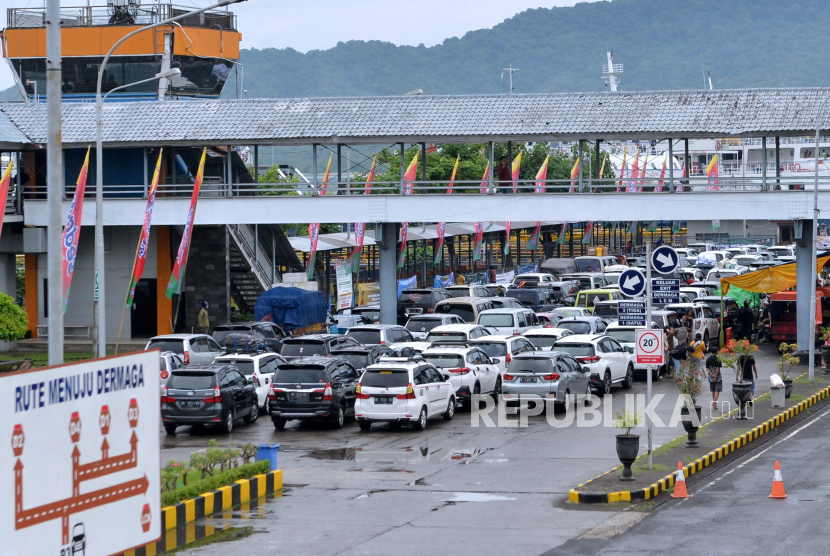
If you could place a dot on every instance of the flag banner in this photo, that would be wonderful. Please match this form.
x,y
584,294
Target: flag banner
x,y
574,175
515,169
589,232
371,177
712,172
144,238
675,226
478,240
632,228
622,171
652,226
476,279
659,187
402,251
353,260
325,185
407,284
635,171
439,248
528,269
72,231
485,181
680,187
411,175
560,239
542,176
4,190
454,173
643,173
313,237
602,169
505,278
174,286
506,238
715,224
444,281
533,241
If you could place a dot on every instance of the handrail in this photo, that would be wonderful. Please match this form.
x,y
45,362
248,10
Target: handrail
x,y
248,253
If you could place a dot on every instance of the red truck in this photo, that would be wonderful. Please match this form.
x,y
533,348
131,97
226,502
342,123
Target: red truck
x,y
783,322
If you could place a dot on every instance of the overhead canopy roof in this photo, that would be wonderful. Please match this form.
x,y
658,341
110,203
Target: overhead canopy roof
x,y
470,118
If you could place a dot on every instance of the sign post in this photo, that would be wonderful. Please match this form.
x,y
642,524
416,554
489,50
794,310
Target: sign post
x,y
648,327
82,457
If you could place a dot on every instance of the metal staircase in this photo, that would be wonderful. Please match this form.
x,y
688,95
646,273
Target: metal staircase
x,y
252,265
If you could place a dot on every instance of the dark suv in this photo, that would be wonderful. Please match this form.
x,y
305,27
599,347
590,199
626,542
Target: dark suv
x,y
418,302
270,333
314,344
360,357
313,388
208,395
538,300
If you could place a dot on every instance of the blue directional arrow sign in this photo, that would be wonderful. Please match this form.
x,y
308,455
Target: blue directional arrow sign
x,y
632,282
664,259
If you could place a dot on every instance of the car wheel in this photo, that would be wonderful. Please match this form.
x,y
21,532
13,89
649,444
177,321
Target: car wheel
x,y
279,424
497,390
421,424
228,424
629,377
450,412
606,385
170,429
253,415
566,401
364,424
266,407
587,395
655,374
476,392
338,417
706,340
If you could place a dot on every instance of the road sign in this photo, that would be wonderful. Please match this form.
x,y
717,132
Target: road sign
x,y
76,484
632,313
649,347
664,259
632,282
665,290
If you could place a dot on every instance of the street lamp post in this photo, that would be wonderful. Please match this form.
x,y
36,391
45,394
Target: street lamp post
x,y
813,251
99,305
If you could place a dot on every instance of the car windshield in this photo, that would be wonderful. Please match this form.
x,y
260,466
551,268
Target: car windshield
x,y
300,375
366,337
192,381
585,283
493,349
357,360
385,378
459,292
524,297
576,327
622,335
591,299
565,313
537,365
446,337
577,350
444,360
542,341
303,348
609,310
176,346
499,320
246,367
588,265
463,310
371,314
422,325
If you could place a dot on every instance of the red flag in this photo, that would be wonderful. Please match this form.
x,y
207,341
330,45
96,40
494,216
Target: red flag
x,y
439,249
643,173
325,183
662,175
402,252
144,238
515,170
371,177
635,171
4,191
411,175
712,172
454,172
174,286
622,172
313,236
72,231
542,176
478,240
485,181
506,238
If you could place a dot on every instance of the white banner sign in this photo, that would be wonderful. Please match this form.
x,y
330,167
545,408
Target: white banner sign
x,y
79,469
344,285
505,278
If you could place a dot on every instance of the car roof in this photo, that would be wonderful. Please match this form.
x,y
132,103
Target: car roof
x,y
313,359
447,349
583,338
495,338
466,299
358,349
456,327
251,356
538,355
432,316
545,332
179,336
320,337
245,323
375,327
202,368
505,310
583,318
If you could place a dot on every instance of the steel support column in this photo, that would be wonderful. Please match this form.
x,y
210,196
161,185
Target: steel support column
x,y
579,160
764,186
388,274
54,184
670,164
804,276
490,189
687,163
339,167
403,170
777,162
316,182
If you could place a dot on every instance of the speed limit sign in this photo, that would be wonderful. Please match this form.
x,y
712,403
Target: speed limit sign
x,y
649,349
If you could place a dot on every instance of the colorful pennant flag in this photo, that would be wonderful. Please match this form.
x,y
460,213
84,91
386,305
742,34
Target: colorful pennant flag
x,y
478,241
485,181
602,169
439,248
675,226
533,241
402,251
454,172
659,187
313,237
353,260
588,235
542,175
632,228
4,190
371,177
144,238
411,175
515,169
643,173
622,171
324,186
651,226
574,175
506,238
712,172
72,231
174,286
715,224
560,239
635,171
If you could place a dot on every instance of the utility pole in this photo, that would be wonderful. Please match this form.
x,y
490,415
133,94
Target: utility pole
x,y
54,180
510,70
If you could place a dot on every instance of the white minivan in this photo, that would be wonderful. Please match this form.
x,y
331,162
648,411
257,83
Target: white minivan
x,y
509,321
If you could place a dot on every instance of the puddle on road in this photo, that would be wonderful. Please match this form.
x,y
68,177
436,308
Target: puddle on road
x,y
406,455
342,454
477,497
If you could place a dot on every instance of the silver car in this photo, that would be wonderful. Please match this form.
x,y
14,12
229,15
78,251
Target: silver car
x,y
194,349
551,375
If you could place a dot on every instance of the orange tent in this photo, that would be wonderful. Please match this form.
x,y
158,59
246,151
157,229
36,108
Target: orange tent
x,y
770,280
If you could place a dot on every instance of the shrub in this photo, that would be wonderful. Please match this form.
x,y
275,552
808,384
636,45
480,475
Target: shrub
x,y
13,320
171,498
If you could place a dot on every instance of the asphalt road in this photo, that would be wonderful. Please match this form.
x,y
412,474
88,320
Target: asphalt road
x,y
451,488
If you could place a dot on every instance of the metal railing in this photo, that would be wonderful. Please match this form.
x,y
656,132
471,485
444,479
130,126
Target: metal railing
x,y
89,16
244,237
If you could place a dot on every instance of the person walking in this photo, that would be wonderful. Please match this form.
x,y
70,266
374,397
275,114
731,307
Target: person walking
x,y
688,321
203,322
679,354
671,344
713,371
749,369
698,350
504,176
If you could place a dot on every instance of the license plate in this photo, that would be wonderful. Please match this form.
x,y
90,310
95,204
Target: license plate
x,y
528,379
191,403
298,395
414,311
383,400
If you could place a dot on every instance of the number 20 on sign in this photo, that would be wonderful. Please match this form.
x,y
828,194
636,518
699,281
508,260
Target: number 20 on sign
x,y
649,349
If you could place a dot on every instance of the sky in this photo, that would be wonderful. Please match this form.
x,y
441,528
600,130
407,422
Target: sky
x,y
321,24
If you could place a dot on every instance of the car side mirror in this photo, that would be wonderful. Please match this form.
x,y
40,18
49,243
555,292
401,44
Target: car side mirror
x,y
446,377
586,370
629,349
495,361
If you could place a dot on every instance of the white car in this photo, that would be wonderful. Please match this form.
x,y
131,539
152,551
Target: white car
x,y
586,281
695,291
468,290
399,390
420,325
568,312
691,273
705,322
608,362
504,348
472,372
716,274
258,366
509,321
544,338
543,278
626,336
168,363
782,251
380,334
456,333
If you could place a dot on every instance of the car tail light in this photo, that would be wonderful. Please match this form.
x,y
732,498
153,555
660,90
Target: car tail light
x,y
165,398
460,371
383,342
410,393
327,392
725,313
507,358
164,375
359,393
516,333
552,376
186,357
508,377
217,396
592,359
430,310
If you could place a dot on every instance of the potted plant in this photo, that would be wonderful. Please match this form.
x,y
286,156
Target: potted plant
x,y
732,356
13,323
788,361
688,380
628,445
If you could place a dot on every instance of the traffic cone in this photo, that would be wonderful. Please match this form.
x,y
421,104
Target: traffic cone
x,y
680,483
777,484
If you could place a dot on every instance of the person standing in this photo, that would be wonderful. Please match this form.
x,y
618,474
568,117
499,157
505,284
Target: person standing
x,y
749,369
671,344
713,371
698,350
203,321
504,176
688,321
746,320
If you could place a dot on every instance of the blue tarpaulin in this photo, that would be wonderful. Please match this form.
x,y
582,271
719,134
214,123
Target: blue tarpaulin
x,y
291,308
407,283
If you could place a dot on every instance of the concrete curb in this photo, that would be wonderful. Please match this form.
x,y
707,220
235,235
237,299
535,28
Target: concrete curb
x,y
699,464
172,517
